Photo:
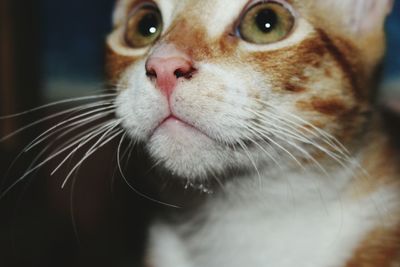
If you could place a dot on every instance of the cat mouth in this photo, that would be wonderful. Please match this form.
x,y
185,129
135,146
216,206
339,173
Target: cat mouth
x,y
173,118
176,125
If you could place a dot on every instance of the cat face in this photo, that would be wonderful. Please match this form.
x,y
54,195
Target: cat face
x,y
214,85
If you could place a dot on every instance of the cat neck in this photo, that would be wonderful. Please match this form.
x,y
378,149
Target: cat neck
x,y
272,191
296,187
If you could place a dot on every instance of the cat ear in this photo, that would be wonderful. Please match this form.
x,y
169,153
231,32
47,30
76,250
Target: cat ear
x,y
358,16
369,15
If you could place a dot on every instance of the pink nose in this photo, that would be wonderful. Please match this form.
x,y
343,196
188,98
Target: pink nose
x,y
166,71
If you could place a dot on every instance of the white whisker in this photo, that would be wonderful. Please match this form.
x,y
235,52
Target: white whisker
x,y
264,135
319,133
130,186
291,135
265,151
246,151
105,127
88,155
296,127
55,104
48,133
48,159
58,114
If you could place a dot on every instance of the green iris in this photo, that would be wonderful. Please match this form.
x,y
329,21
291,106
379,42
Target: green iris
x,y
266,23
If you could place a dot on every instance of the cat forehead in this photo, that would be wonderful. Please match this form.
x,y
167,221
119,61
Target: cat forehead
x,y
213,15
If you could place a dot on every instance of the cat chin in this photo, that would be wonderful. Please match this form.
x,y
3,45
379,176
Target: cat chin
x,y
187,152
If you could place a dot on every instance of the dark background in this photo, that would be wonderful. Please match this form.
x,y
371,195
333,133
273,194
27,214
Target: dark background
x,y
52,50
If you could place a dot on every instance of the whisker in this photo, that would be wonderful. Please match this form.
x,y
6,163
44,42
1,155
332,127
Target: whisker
x,y
48,133
246,151
341,159
315,131
307,155
219,182
131,186
48,159
129,151
327,137
278,119
78,99
295,132
79,136
263,135
88,155
58,114
299,138
105,127
265,151
72,208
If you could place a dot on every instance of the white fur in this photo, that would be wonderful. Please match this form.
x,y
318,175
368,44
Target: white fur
x,y
217,21
274,226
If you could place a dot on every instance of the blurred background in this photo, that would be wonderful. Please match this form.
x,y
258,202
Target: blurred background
x,y
53,50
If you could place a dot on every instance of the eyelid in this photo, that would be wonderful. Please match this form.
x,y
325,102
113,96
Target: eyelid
x,y
138,5
253,3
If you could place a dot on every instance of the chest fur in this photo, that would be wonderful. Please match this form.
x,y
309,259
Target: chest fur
x,y
266,230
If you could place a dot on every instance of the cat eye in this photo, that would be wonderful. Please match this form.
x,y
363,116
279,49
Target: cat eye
x,y
266,22
143,26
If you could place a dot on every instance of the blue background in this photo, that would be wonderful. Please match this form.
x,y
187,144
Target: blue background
x,y
393,57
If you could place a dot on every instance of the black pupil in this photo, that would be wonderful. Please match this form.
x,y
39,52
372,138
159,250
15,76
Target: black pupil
x,y
266,20
148,25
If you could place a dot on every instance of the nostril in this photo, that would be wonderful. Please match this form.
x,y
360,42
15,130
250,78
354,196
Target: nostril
x,y
151,73
183,73
165,72
179,73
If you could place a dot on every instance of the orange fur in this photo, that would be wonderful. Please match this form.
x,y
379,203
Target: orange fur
x,y
381,248
117,64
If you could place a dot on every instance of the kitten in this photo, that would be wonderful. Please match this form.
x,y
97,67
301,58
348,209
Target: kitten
x,y
264,110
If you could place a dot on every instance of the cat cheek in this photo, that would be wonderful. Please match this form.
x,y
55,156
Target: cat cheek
x,y
119,57
116,65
